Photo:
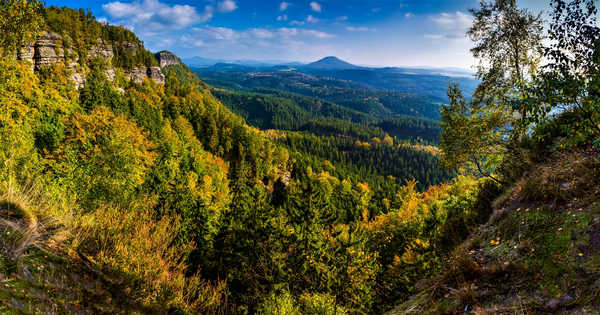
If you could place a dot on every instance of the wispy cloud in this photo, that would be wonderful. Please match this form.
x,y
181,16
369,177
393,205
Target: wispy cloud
x,y
317,34
453,25
209,33
359,29
315,6
227,6
284,6
409,15
311,19
282,17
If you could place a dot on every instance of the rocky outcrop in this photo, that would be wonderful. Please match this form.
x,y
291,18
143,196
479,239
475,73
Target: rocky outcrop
x,y
48,50
155,74
103,49
138,75
45,51
166,58
132,47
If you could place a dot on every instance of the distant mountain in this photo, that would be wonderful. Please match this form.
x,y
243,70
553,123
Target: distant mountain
x,y
415,81
200,62
330,63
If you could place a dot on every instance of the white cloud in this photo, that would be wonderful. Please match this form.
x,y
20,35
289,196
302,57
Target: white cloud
x,y
315,6
153,16
227,6
359,29
317,34
311,19
284,6
409,15
282,17
261,33
434,36
342,18
213,35
454,25
287,32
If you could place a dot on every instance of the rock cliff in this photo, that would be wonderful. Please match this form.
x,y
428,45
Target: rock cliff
x,y
140,73
49,49
166,58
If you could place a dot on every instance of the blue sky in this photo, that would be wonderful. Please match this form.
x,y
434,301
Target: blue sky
x,y
366,32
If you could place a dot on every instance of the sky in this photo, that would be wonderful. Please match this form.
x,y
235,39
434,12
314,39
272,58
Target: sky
x,y
418,33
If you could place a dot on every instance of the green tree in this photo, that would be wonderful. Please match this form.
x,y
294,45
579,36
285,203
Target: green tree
x,y
571,79
472,134
20,22
508,46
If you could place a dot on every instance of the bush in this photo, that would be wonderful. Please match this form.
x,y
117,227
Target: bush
x,y
279,304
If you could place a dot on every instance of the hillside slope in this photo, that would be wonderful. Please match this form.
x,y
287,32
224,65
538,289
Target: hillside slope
x,y
539,253
124,193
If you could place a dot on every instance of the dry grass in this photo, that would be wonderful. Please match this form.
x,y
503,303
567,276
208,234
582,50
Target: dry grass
x,y
564,176
128,252
28,220
144,253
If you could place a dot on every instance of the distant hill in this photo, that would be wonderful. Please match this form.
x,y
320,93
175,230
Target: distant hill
x,y
330,63
420,82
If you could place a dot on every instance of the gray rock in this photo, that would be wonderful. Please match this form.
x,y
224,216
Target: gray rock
x,y
103,49
48,50
155,74
110,74
78,80
132,47
138,75
166,58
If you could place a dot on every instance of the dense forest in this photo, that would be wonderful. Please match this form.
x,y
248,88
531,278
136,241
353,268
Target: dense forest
x,y
283,110
171,196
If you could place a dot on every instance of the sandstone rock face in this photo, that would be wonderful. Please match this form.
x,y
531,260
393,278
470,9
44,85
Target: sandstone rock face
x,y
166,58
132,47
78,80
48,50
102,49
155,74
138,74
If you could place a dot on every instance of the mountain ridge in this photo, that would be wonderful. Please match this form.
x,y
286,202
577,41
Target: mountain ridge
x,y
330,63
